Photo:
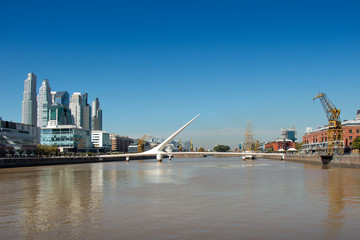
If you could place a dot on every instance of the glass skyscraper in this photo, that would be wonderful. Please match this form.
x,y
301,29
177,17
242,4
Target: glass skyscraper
x,y
29,104
43,103
76,109
86,120
59,115
61,98
96,120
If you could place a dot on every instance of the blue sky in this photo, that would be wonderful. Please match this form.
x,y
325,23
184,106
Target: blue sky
x,y
156,64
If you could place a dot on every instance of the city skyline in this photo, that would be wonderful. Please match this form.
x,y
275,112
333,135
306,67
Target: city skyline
x,y
39,107
155,65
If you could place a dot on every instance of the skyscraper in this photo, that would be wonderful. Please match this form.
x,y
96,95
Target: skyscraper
x,y
62,98
76,108
96,120
86,120
53,94
29,108
43,103
289,133
59,115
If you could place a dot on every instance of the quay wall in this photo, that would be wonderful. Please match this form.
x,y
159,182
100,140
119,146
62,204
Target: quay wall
x,y
189,156
313,159
43,161
349,161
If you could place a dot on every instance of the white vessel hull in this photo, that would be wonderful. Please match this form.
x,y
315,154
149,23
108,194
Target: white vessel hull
x,y
249,156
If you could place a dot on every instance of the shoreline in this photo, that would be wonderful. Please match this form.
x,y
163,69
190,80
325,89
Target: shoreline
x,y
47,161
345,161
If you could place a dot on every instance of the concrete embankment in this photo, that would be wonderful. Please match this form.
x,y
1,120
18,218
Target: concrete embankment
x,y
349,161
189,156
43,161
40,161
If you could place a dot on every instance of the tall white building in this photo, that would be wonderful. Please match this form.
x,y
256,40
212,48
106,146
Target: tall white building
x,y
96,119
44,102
75,106
29,106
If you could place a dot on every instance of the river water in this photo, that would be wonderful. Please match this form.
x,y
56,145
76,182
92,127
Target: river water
x,y
200,198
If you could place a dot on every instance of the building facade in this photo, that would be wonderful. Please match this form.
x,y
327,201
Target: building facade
x,y
29,104
100,139
316,140
44,102
18,137
59,115
120,144
61,98
289,133
96,119
86,109
280,145
65,137
75,107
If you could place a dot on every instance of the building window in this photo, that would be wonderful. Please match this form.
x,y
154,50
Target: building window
x,y
357,130
350,138
350,131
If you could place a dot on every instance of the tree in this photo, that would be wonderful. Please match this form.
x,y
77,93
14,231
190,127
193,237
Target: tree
x,y
298,146
221,148
270,150
201,149
47,150
356,143
53,150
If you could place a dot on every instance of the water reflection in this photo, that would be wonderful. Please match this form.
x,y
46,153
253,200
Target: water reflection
x,y
59,197
333,187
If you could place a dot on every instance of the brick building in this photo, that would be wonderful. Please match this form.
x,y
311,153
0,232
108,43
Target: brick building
x,y
317,140
120,144
279,144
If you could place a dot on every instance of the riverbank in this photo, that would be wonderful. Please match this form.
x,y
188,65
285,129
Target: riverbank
x,y
347,161
44,161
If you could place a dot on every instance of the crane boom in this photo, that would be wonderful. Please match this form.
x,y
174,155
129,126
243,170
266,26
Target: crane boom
x,y
332,113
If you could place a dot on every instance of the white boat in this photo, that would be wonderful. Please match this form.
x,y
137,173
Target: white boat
x,y
249,155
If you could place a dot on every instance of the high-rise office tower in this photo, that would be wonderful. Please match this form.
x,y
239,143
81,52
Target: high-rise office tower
x,y
43,104
96,119
62,98
86,119
76,108
289,133
59,115
29,108
53,94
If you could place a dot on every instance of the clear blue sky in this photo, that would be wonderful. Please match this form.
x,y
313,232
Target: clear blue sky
x,y
156,64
